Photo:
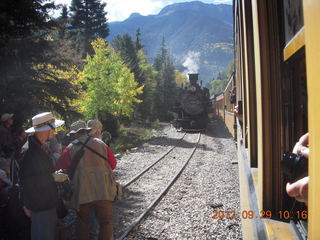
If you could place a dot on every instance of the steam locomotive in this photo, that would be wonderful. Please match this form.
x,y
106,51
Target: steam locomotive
x,y
191,109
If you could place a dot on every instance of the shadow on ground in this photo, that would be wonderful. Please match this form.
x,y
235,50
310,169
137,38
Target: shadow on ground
x,y
218,129
167,141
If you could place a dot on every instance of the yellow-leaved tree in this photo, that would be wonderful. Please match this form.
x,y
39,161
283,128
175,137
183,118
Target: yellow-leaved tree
x,y
109,86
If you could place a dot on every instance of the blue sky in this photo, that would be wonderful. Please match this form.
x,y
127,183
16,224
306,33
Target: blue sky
x,y
119,10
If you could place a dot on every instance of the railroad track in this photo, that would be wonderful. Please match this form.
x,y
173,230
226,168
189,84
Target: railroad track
x,y
136,177
155,200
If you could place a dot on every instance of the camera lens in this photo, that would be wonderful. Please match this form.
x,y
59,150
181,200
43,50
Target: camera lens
x,y
293,165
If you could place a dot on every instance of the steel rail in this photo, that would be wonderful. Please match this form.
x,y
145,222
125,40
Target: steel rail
x,y
147,168
159,197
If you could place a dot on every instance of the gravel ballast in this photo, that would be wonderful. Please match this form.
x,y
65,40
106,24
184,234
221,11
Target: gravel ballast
x,y
209,183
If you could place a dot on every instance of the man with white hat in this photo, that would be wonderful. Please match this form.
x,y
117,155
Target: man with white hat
x,y
6,136
39,190
94,185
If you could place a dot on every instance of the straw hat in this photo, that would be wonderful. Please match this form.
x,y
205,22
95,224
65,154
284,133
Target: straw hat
x,y
43,122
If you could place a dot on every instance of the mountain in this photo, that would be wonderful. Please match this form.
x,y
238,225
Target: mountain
x,y
199,35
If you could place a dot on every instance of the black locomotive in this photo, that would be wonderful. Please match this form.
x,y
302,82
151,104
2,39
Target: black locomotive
x,y
192,107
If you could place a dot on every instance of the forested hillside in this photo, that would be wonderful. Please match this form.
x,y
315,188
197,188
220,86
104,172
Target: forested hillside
x,y
198,35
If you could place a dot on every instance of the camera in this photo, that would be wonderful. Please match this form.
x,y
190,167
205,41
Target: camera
x,y
240,111
294,166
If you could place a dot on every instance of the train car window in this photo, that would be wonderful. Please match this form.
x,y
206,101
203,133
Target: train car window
x,y
294,87
293,18
295,99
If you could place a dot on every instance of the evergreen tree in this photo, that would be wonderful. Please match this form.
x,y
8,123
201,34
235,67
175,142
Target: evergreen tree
x,y
147,76
28,85
64,13
88,22
62,43
139,45
127,50
166,88
62,23
143,72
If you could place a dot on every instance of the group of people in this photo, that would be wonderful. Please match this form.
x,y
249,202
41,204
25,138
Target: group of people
x,y
28,168
27,185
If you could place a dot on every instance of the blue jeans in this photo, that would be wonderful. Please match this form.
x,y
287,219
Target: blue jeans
x,y
43,224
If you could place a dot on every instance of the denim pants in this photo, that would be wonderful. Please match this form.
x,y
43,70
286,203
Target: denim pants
x,y
43,224
104,215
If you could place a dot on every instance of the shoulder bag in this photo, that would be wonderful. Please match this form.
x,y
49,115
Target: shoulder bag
x,y
119,193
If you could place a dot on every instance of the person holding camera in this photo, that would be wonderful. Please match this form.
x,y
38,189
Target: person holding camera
x,y
299,188
40,194
238,113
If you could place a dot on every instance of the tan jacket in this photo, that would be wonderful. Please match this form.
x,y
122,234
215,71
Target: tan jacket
x,y
93,179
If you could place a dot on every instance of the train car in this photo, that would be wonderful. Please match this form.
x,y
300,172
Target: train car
x,y
212,111
277,55
229,97
192,108
219,105
224,104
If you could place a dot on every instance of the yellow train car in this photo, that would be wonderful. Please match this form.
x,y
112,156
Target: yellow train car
x,y
219,105
277,56
229,118
212,112
223,106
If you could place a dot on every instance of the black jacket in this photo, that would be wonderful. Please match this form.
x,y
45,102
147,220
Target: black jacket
x,y
36,168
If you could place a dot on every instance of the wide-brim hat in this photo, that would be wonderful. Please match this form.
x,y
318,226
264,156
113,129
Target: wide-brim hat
x,y
6,116
43,122
77,127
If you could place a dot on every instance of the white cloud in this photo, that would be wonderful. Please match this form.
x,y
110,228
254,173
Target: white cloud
x,y
222,1
119,10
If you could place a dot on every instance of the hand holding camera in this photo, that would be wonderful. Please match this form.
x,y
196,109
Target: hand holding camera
x,y
60,176
64,185
295,166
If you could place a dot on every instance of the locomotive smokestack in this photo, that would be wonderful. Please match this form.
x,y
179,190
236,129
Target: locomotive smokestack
x,y
193,78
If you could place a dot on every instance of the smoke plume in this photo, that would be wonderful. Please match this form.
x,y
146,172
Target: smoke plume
x,y
192,62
